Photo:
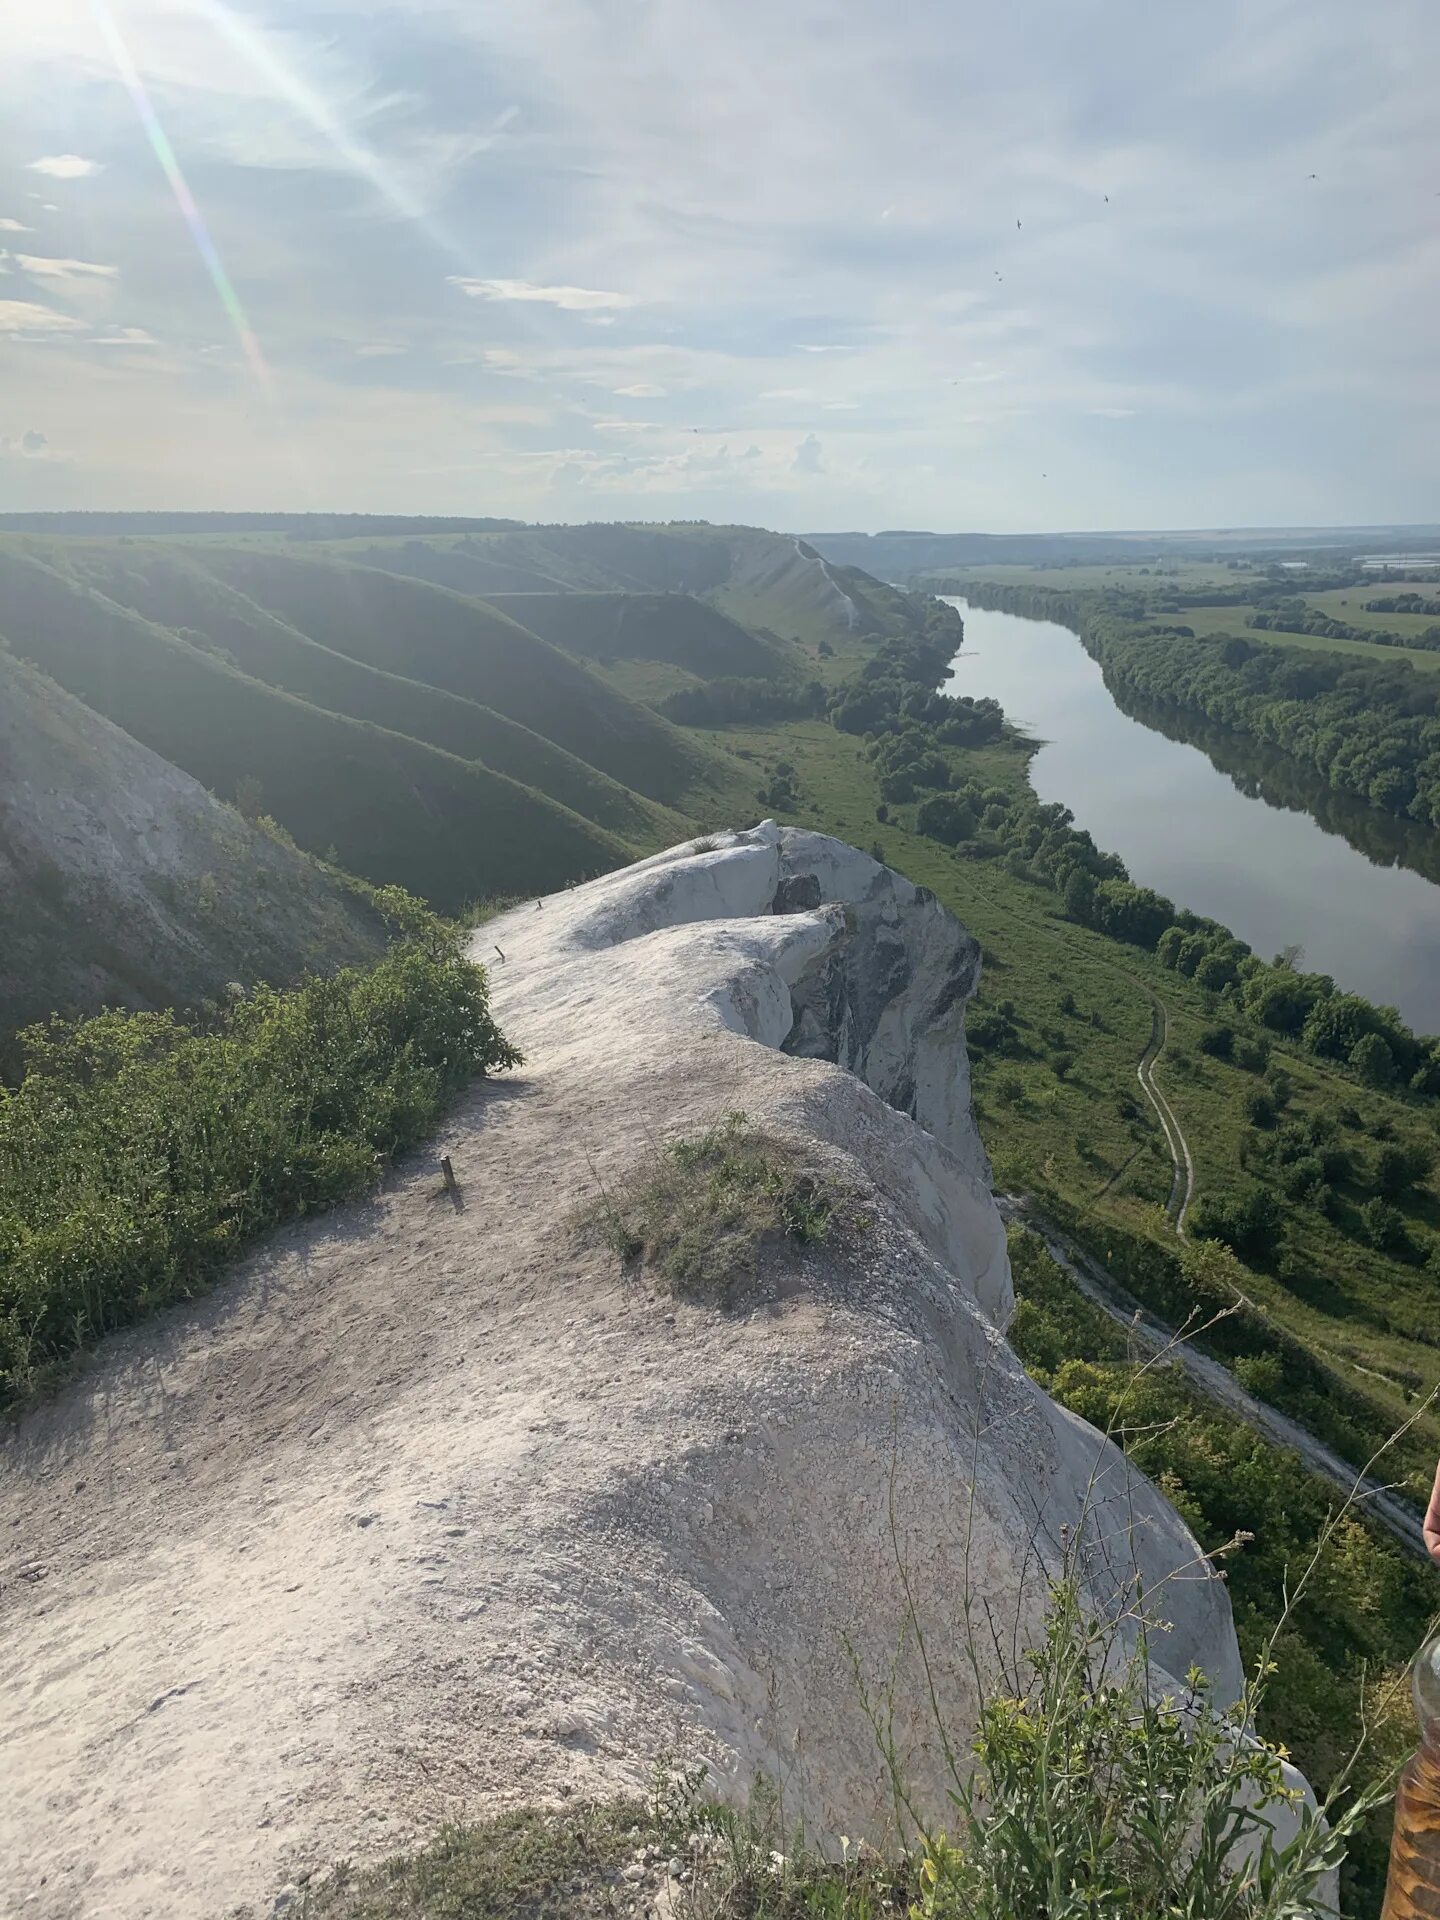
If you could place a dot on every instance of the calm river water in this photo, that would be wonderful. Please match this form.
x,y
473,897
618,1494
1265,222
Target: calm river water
x,y
1245,845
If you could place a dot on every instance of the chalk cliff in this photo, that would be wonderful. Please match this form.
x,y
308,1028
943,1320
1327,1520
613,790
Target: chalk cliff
x,y
433,1508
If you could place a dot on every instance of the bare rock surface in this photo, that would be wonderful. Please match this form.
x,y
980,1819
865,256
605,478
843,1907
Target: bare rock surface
x,y
431,1509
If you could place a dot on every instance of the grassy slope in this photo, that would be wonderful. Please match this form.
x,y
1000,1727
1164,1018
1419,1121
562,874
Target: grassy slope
x,y
674,629
1088,1137
166,587
392,808
464,647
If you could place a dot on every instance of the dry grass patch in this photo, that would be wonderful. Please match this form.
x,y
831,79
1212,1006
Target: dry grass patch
x,y
701,1214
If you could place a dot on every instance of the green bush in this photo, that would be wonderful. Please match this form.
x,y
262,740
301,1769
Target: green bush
x,y
140,1152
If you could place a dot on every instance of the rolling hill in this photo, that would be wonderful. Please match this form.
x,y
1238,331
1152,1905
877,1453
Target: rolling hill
x,y
464,646
166,586
391,808
672,629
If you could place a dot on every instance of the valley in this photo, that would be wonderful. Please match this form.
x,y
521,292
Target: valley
x,y
477,718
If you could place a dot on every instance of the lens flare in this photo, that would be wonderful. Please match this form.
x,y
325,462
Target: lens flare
x,y
184,199
291,87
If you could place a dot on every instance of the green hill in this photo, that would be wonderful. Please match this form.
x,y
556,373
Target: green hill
x,y
123,883
391,808
673,628
465,647
166,586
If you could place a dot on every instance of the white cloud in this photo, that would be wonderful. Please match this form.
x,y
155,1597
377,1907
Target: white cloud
x,y
43,267
808,347
30,443
640,391
27,316
125,337
806,395
570,299
64,166
1112,413
14,226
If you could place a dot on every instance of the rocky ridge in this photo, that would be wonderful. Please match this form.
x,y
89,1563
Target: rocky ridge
x,y
434,1509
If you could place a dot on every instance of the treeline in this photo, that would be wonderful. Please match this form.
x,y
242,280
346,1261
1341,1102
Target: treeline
x,y
1404,603
1294,616
737,700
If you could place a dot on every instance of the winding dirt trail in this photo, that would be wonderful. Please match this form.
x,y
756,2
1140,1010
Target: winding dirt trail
x,y
1182,1186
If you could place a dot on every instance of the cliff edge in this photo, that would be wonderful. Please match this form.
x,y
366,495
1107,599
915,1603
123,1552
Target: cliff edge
x,y
434,1507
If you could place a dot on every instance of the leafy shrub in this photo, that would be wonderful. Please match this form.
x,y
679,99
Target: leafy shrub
x,y
1399,1168
1248,1223
1218,1041
1383,1227
140,1152
1260,1107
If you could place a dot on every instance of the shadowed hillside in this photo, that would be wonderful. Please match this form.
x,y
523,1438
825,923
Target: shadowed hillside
x,y
465,647
123,883
671,628
390,807
167,586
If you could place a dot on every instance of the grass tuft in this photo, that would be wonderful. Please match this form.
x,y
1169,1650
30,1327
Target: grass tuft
x,y
701,1213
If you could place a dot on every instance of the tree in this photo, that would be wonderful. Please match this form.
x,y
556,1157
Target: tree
x,y
1373,1061
1168,946
946,817
1079,896
1216,972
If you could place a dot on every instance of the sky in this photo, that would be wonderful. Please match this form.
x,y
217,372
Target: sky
x,y
814,264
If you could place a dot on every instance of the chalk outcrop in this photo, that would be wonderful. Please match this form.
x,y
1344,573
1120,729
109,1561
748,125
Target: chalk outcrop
x,y
433,1509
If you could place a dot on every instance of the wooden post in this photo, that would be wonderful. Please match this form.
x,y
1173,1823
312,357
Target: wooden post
x,y
449,1173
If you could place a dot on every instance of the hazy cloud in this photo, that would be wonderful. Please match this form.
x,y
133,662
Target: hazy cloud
x,y
14,226
44,267
28,316
572,299
640,391
64,166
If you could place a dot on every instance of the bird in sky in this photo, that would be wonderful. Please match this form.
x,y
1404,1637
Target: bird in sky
x,y
1107,199
1017,226
1312,176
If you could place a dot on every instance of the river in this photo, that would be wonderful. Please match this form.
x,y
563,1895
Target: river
x,y
1246,845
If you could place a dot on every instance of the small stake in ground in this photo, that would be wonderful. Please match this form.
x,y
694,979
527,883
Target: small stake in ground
x,y
449,1172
